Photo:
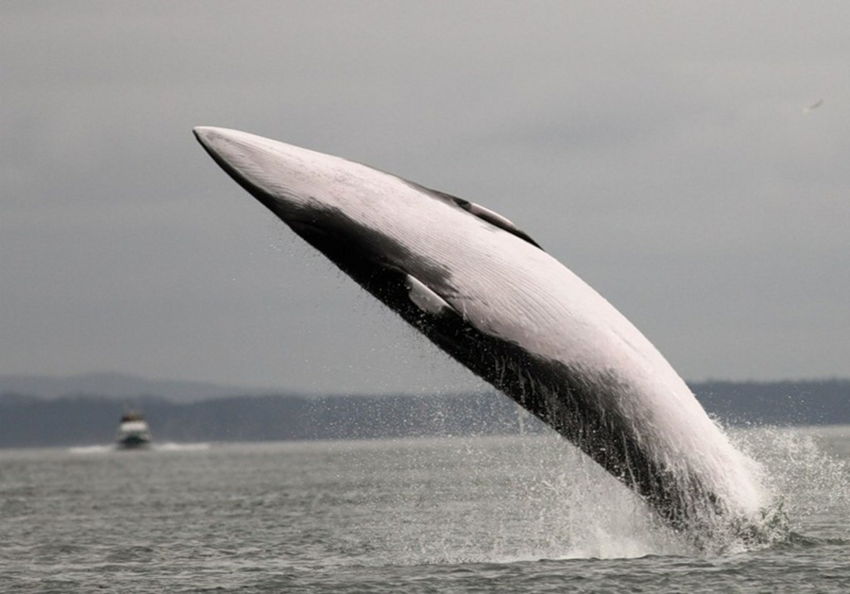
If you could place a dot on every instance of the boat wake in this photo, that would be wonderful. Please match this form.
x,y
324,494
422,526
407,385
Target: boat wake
x,y
182,447
92,449
157,447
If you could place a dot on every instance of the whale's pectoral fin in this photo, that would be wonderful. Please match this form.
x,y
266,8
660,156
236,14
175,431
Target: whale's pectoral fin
x,y
426,299
492,217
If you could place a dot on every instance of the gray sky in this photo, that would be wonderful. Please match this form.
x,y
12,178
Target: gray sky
x,y
659,150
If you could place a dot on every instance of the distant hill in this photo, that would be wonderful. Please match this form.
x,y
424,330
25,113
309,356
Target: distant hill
x,y
30,421
88,420
117,385
814,402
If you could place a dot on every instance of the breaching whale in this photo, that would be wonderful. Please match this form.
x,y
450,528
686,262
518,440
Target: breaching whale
x,y
488,295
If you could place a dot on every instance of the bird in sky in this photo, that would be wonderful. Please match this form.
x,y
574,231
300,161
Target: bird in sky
x,y
813,106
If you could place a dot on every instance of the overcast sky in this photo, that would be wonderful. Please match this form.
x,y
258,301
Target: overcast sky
x,y
662,151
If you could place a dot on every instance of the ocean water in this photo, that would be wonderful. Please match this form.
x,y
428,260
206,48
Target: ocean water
x,y
506,514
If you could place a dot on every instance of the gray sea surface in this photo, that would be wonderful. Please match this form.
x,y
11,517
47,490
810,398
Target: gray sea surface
x,y
472,514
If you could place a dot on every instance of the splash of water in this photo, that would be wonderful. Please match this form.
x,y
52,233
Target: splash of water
x,y
807,482
532,497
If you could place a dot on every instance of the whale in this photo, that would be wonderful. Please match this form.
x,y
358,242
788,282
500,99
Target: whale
x,y
482,290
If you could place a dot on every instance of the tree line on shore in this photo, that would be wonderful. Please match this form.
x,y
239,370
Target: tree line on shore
x,y
29,421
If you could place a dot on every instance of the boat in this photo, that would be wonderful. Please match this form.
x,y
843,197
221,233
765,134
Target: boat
x,y
133,432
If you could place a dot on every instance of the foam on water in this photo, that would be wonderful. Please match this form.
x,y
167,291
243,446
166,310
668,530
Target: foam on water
x,y
92,449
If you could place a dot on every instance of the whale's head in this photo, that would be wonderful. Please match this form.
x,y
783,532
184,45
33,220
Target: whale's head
x,y
355,215
296,184
365,220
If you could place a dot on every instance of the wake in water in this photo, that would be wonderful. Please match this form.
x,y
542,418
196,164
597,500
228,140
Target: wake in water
x,y
157,447
181,447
